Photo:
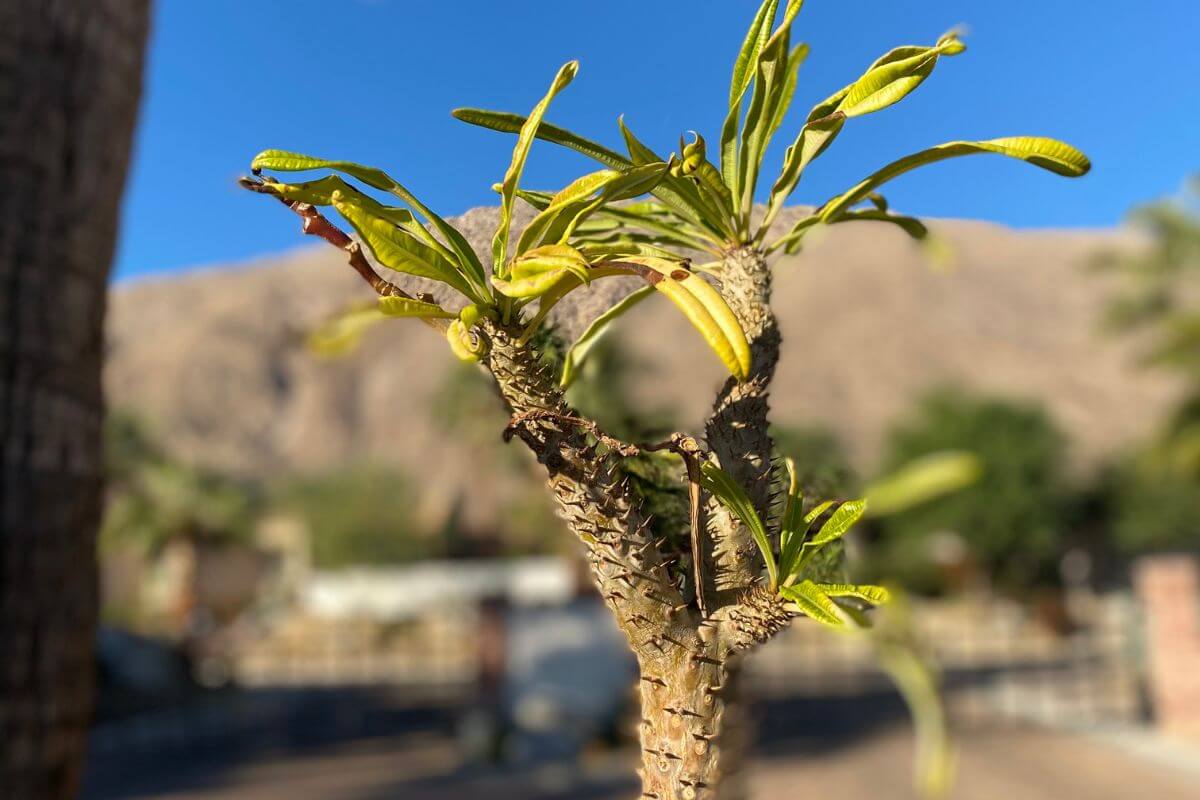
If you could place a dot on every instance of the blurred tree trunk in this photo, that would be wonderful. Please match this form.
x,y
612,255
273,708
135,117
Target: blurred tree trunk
x,y
70,80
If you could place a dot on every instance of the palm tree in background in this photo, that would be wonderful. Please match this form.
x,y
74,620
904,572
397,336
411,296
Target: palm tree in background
x,y
70,81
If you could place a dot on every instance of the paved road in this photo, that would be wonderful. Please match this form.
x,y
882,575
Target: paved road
x,y
423,765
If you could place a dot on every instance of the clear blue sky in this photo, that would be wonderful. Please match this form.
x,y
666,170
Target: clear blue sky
x,y
374,81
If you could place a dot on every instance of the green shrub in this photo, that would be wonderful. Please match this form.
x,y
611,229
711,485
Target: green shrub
x,y
1012,519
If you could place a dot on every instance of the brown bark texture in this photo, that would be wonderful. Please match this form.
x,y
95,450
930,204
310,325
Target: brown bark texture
x,y
690,628
692,745
70,81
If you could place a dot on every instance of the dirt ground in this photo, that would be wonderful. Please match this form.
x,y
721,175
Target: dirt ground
x,y
1026,764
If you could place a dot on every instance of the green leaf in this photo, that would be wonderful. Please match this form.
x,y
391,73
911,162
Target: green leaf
x,y
394,247
704,175
747,58
923,479
769,82
467,262
600,325
792,239
791,526
466,344
704,308
891,78
894,76
557,258
506,122
520,153
679,194
814,603
342,332
795,60
875,595
743,72
666,230
1050,154
816,135
574,204
721,485
408,307
834,528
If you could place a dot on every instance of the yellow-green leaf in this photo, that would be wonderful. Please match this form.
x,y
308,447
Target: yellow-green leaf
x,y
573,205
814,603
1050,154
834,528
595,332
875,595
923,479
408,307
520,153
395,248
894,76
463,257
342,332
747,58
704,308
506,122
466,344
791,526
722,486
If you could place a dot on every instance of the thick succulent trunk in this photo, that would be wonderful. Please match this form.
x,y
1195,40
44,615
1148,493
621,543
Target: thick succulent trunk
x,y
628,566
687,711
691,744
70,74
737,430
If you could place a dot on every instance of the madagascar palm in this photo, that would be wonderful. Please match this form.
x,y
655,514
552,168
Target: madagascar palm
x,y
692,602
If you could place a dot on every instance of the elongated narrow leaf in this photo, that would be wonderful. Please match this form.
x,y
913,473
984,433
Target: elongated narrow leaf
x,y
682,196
747,58
408,307
875,595
520,153
792,240
395,248
720,485
795,60
769,82
816,512
667,229
894,76
891,78
506,122
816,135
623,247
581,190
834,528
1050,154
743,73
814,603
705,309
578,201
791,526
923,479
579,351
550,258
342,332
320,193
685,207
466,260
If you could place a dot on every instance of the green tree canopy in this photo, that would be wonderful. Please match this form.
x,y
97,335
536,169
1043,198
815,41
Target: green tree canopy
x,y
1012,518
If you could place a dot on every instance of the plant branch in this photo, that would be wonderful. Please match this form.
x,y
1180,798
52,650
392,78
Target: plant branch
x,y
314,223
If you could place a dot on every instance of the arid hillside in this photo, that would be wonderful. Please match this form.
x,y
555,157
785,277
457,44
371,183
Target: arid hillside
x,y
212,359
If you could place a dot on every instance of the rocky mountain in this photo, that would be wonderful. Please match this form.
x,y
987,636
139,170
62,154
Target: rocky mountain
x,y
212,358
